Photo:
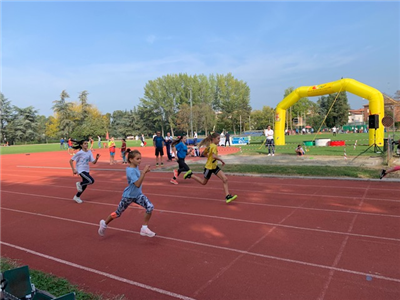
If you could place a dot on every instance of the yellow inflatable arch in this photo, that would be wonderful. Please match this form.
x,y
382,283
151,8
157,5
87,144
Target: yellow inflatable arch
x,y
375,98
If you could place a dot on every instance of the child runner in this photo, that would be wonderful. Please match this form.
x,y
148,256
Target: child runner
x,y
132,193
158,143
211,165
123,150
91,141
390,170
82,158
180,151
111,148
70,150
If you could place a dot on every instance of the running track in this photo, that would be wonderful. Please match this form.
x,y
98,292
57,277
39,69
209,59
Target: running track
x,y
281,239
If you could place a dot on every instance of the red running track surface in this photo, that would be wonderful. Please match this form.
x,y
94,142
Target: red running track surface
x,y
281,239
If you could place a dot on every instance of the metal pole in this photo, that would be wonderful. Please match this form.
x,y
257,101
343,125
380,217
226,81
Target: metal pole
x,y
191,113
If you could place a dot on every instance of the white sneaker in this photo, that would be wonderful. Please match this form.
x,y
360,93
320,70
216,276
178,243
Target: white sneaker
x,y
269,154
102,228
77,199
79,187
147,232
273,154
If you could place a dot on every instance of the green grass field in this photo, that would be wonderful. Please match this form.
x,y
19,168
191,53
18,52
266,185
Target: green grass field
x,y
255,147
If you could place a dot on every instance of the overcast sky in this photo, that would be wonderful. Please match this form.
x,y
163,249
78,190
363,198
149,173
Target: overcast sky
x,y
112,49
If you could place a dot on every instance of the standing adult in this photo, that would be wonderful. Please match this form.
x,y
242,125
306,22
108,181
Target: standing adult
x,y
227,138
168,142
158,143
99,141
269,142
62,141
195,138
142,139
334,130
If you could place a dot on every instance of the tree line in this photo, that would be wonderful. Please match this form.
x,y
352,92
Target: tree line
x,y
177,103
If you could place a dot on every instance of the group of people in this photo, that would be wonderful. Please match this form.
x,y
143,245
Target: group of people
x,y
133,192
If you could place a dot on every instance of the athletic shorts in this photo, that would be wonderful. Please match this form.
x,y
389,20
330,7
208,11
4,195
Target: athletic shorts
x,y
112,153
159,151
207,172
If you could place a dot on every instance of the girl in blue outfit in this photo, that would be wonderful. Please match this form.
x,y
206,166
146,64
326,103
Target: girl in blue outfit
x,y
132,194
82,159
180,151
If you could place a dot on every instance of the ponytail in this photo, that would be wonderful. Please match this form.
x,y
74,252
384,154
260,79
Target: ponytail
x,y
177,141
78,144
207,141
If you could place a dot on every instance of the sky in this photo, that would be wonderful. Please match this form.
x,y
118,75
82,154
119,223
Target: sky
x,y
112,49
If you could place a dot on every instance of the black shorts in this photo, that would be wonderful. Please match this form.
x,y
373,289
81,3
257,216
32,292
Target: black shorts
x,y
207,172
159,151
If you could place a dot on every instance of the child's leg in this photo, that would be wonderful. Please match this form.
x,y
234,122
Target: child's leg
x,y
393,169
86,180
183,167
122,206
202,181
224,179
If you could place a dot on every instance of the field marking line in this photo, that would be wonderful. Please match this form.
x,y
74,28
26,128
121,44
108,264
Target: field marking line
x,y
288,260
223,218
101,273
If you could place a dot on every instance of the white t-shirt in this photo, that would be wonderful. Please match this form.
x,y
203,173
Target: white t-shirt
x,y
269,134
82,160
195,135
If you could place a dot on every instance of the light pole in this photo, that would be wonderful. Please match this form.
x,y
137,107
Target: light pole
x,y
191,113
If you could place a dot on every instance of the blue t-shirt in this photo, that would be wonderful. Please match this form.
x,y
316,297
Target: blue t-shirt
x,y
132,191
181,150
159,141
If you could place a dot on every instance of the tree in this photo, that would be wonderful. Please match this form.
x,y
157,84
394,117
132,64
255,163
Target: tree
x,y
5,117
64,114
24,125
260,119
339,109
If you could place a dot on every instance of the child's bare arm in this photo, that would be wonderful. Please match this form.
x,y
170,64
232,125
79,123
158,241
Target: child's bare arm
x,y
215,156
139,182
71,163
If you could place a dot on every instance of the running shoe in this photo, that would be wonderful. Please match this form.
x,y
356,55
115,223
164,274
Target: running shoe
x,y
146,232
383,174
77,199
176,173
79,187
102,228
230,198
173,181
188,174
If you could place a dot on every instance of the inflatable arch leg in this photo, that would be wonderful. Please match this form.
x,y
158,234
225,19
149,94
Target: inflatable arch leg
x,y
375,98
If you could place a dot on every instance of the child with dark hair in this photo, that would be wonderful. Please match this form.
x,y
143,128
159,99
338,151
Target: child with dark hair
x,y
299,150
132,194
211,167
180,151
123,150
82,159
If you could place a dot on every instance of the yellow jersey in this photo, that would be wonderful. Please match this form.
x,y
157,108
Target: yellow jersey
x,y
211,162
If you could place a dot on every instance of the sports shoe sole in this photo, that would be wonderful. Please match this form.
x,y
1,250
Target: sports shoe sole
x,y
188,174
231,199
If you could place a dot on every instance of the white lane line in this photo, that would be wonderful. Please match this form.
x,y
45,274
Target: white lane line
x,y
225,248
223,218
91,270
